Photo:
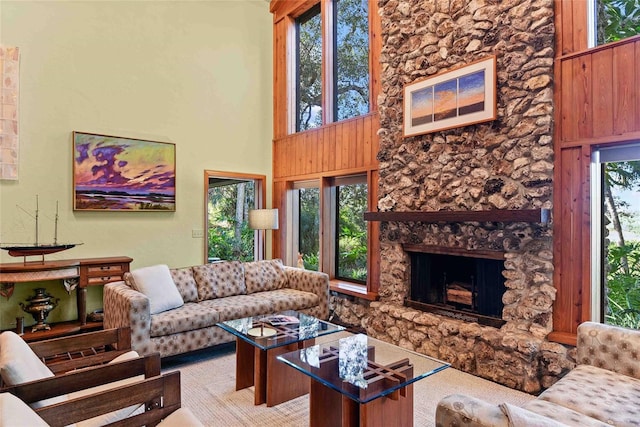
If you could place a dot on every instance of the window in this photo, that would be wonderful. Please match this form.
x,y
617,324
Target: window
x,y
351,232
612,20
345,62
351,59
308,251
616,245
327,227
228,199
309,70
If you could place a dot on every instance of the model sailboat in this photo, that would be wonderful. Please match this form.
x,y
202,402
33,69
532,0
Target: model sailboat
x,y
37,248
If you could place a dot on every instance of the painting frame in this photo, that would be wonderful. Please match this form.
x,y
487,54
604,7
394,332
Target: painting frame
x,y
122,174
455,98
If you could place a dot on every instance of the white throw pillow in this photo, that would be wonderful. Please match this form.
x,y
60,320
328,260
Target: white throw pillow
x,y
157,284
19,364
14,412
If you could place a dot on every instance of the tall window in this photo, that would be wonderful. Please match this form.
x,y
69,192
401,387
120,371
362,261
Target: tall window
x,y
351,232
345,62
615,20
616,216
351,59
309,70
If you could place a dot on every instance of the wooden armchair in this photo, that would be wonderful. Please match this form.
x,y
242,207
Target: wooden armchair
x,y
82,350
160,396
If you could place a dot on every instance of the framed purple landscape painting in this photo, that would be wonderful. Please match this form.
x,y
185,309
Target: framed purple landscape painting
x,y
451,99
112,173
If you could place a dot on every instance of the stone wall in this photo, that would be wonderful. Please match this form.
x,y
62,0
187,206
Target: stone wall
x,y
503,164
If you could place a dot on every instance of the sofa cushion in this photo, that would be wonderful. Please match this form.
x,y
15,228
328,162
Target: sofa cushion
x,y
157,284
264,275
599,393
236,307
220,279
288,299
189,317
19,364
186,283
562,414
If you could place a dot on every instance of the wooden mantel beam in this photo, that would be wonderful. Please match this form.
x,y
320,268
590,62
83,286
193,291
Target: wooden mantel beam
x,y
542,216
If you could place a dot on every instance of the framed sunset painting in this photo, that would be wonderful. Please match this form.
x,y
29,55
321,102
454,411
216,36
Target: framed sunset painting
x,y
112,173
451,99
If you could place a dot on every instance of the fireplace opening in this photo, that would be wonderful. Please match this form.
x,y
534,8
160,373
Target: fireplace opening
x,y
465,287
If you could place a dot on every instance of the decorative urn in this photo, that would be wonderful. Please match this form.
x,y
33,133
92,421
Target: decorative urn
x,y
39,306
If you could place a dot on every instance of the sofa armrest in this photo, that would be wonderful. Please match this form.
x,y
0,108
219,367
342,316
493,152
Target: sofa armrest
x,y
609,347
468,411
125,307
310,281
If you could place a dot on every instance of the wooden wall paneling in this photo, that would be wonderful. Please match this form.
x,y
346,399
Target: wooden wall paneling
x,y
349,141
312,149
624,70
581,96
375,140
339,142
375,49
326,147
331,164
579,25
602,89
366,141
568,241
280,105
569,131
360,142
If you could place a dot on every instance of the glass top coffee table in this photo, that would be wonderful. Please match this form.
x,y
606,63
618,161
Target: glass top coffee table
x,y
260,339
361,381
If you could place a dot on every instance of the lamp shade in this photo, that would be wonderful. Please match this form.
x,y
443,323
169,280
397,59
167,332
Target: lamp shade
x,y
263,219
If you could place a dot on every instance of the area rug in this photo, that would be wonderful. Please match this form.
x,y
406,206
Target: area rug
x,y
208,390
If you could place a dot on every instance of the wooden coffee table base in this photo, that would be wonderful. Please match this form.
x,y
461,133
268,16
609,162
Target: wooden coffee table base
x,y
274,381
328,407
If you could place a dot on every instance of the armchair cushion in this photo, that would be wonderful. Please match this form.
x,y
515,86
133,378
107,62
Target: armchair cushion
x,y
157,284
19,364
520,417
120,413
14,412
220,279
264,275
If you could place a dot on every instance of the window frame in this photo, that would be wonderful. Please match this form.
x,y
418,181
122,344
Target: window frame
x,y
328,66
260,195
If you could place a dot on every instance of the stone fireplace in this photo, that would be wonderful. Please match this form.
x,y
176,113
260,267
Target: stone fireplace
x,y
502,166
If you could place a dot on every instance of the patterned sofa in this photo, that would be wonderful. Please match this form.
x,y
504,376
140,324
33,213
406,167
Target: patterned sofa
x,y
603,389
209,294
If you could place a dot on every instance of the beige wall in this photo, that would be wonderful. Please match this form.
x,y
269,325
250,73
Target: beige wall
x,y
195,73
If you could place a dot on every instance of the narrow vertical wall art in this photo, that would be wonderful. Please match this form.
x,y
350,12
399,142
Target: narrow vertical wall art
x,y
9,87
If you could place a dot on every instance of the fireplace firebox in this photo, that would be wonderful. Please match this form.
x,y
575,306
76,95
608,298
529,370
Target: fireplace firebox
x,y
460,284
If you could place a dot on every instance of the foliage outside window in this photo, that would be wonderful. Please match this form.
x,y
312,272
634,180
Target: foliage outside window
x,y
349,70
351,241
617,20
351,59
228,233
621,196
309,70
309,227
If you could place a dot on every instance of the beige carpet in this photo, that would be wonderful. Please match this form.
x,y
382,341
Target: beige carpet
x,y
208,389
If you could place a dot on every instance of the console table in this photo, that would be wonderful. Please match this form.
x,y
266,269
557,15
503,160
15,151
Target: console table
x,y
82,272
